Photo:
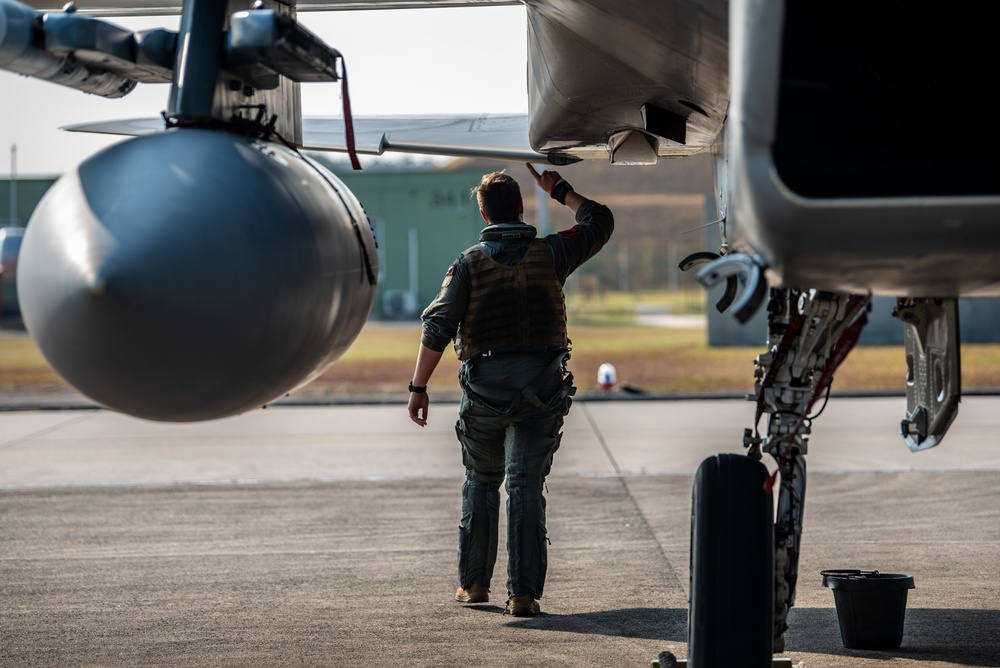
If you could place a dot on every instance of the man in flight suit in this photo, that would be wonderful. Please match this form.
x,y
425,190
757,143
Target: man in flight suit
x,y
502,303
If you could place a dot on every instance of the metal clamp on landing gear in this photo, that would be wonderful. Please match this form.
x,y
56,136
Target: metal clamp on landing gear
x,y
748,271
933,369
702,258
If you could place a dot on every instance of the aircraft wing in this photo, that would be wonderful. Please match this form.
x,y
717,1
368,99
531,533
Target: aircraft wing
x,y
589,95
496,136
485,135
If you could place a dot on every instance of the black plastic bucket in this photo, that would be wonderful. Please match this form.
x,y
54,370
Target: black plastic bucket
x,y
871,606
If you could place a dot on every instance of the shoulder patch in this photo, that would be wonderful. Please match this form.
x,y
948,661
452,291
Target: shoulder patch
x,y
448,274
571,232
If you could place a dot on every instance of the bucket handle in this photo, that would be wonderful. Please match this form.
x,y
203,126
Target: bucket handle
x,y
847,573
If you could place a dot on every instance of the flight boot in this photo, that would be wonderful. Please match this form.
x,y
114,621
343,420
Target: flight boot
x,y
523,605
475,593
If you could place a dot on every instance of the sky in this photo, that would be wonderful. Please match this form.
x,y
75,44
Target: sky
x,y
413,61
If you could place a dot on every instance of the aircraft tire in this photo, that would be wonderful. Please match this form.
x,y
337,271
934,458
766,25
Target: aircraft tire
x,y
731,613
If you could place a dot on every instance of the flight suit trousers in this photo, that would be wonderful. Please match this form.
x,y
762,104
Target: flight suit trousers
x,y
506,432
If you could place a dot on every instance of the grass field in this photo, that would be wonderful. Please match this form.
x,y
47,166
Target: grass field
x,y
674,360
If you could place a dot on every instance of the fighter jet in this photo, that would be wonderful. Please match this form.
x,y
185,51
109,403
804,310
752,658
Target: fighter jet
x,y
851,160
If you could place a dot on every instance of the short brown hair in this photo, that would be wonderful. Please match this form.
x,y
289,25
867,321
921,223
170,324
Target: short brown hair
x,y
499,197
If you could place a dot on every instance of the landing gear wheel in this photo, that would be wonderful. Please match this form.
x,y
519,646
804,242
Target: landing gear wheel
x,y
731,615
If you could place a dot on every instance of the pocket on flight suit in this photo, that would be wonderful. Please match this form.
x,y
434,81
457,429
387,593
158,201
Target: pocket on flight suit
x,y
478,452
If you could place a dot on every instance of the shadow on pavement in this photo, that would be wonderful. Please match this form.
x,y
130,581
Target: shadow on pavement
x,y
648,623
952,636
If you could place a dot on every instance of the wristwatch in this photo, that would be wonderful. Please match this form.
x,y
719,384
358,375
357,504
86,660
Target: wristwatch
x,y
419,389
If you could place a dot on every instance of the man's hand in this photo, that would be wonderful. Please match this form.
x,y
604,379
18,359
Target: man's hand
x,y
418,407
427,361
546,179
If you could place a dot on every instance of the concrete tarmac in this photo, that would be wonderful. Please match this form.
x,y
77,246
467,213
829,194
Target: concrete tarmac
x,y
326,536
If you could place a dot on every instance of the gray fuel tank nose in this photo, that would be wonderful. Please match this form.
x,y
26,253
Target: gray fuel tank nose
x,y
194,274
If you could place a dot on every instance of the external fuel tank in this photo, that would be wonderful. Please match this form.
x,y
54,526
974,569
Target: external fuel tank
x,y
195,274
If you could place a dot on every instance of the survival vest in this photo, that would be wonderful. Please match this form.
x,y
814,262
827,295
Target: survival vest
x,y
512,308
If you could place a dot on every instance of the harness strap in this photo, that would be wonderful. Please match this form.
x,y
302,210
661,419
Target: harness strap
x,y
529,393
